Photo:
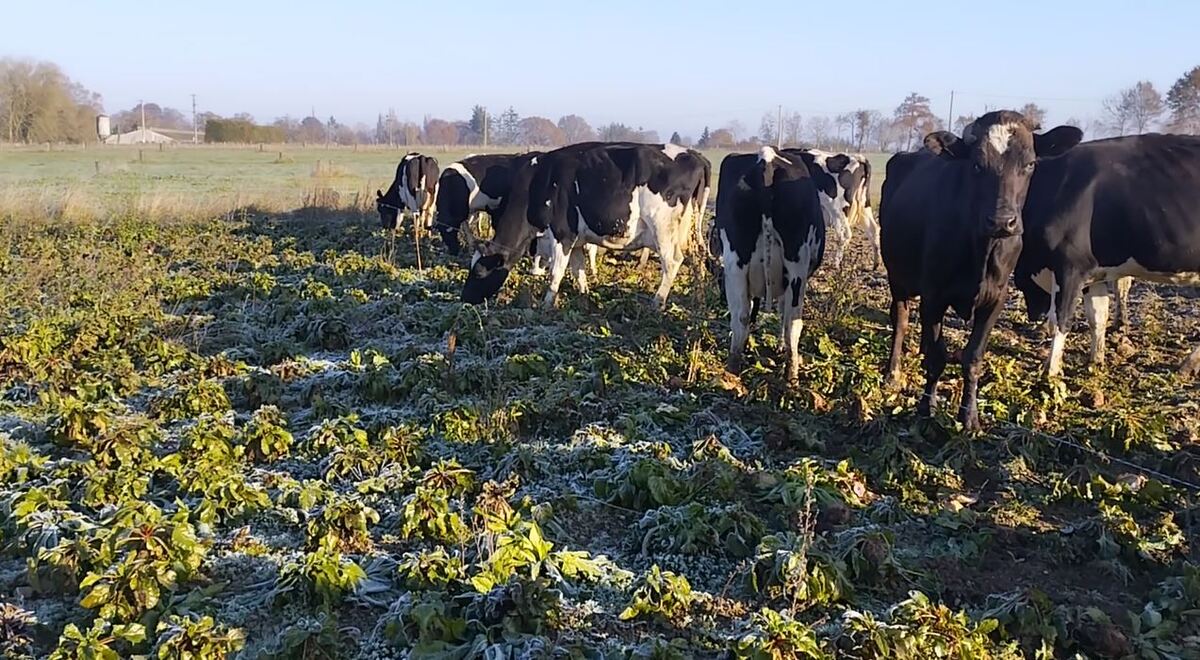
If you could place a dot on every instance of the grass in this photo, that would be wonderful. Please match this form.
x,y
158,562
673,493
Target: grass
x,y
248,434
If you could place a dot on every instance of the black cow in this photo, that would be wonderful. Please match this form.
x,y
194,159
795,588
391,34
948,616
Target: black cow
x,y
616,195
771,236
951,235
413,190
1109,209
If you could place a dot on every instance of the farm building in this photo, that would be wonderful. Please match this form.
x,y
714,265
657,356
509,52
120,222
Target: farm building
x,y
139,136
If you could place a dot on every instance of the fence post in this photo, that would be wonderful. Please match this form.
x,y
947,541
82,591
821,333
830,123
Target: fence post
x,y
97,167
140,158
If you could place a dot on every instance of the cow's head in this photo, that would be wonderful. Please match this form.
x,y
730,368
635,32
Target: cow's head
x,y
389,209
1002,150
494,259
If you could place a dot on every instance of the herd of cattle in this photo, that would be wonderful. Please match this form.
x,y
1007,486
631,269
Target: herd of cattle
x,y
957,219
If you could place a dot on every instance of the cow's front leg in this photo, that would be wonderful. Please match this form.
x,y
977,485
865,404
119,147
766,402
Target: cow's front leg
x,y
1062,310
1095,307
559,262
933,346
972,360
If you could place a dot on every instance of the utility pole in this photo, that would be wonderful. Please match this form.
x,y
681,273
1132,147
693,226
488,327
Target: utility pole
x,y
485,127
950,117
779,128
195,134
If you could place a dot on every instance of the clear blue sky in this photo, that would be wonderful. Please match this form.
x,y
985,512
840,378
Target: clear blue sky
x,y
662,65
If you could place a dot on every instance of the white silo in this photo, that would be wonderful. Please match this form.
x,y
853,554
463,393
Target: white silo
x,y
103,127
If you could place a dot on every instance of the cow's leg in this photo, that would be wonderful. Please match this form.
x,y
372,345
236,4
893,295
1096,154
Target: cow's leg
x,y
593,252
1122,285
872,230
933,347
900,312
1062,310
737,296
559,261
793,317
643,258
841,227
671,258
578,266
1095,307
542,248
972,360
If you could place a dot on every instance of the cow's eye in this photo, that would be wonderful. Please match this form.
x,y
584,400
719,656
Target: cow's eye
x,y
1029,166
978,168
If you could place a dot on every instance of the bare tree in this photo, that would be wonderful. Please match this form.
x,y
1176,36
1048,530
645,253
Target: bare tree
x,y
768,132
914,116
962,122
737,129
39,103
438,131
793,124
1134,109
722,138
819,129
576,129
541,132
1184,101
1034,113
864,121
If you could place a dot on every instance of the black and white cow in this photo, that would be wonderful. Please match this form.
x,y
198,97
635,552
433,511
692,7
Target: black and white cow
x,y
771,233
844,181
413,190
619,196
470,186
480,183
1106,211
951,235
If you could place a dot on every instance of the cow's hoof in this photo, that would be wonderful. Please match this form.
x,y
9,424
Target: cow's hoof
x,y
970,422
893,383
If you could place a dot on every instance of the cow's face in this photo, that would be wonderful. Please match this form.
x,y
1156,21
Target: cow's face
x,y
388,212
1002,151
485,278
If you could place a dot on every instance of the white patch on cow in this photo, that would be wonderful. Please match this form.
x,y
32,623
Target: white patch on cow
x,y
559,261
533,161
999,136
768,155
673,150
477,200
1044,278
475,258
576,186
738,293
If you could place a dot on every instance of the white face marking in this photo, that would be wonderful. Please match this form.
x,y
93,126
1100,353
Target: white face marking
x,y
999,136
533,161
673,150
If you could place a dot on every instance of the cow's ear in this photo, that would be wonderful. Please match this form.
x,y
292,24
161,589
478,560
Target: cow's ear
x,y
1057,141
838,163
378,194
946,145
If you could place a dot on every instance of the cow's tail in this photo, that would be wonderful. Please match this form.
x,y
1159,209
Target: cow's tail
x,y
700,199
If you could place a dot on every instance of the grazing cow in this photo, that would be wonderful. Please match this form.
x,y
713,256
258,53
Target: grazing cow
x,y
1109,210
771,236
844,181
413,190
472,185
619,196
951,235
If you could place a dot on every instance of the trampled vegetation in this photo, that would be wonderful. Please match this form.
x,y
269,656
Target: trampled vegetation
x,y
251,435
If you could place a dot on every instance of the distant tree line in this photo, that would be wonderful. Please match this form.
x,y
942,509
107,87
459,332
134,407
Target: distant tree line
x,y
240,130
39,103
